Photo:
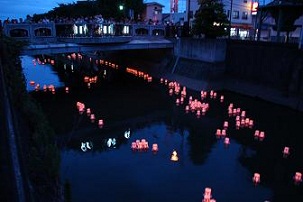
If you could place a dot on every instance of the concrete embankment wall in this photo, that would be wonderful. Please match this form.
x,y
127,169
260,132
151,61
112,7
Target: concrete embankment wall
x,y
275,65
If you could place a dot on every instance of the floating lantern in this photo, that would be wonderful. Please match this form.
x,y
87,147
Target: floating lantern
x,y
225,125
171,91
286,152
215,95
186,108
226,141
155,148
298,178
256,178
32,83
207,194
218,133
257,134
177,101
88,111
221,98
223,132
262,135
238,124
174,156
182,100
44,88
67,89
251,123
243,114
100,123
92,118
198,113
134,146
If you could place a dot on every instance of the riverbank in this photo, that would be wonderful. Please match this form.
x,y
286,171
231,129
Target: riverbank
x,y
197,75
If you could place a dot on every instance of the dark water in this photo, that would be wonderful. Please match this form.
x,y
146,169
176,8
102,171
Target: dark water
x,y
126,102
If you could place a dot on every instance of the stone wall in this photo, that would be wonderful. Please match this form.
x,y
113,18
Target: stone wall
x,y
206,50
270,64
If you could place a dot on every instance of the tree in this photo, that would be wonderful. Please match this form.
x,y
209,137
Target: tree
x,y
210,19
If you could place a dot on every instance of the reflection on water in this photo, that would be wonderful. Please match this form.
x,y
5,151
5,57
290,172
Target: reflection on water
x,y
100,164
42,75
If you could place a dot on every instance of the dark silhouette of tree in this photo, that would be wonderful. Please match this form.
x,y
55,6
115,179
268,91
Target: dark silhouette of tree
x,y
107,8
210,19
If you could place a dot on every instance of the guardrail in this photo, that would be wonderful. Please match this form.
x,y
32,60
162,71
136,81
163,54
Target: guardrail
x,y
50,32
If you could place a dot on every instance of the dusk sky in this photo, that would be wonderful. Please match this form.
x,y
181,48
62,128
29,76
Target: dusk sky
x,y
20,8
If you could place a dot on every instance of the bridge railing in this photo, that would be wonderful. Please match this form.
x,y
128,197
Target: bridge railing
x,y
48,32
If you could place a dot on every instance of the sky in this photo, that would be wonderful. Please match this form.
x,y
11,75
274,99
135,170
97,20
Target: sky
x,y
20,8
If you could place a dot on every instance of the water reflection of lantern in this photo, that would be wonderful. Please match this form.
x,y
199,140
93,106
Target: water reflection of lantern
x,y
286,152
174,156
298,178
256,178
155,147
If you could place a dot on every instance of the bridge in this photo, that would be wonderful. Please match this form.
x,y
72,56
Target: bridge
x,y
53,38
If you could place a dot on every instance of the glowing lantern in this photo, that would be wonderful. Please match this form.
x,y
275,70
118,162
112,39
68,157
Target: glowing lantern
x,y
32,83
155,148
215,94
218,132
186,108
238,124
198,113
257,134
174,156
44,88
171,91
251,123
226,141
285,152
221,98
134,146
88,111
67,89
207,194
238,111
223,132
298,178
100,123
243,114
177,101
225,125
92,118
256,178
262,135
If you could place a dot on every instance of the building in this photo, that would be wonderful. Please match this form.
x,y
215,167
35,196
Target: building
x,y
153,12
241,14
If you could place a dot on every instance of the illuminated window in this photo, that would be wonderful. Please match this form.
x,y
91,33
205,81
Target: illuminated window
x,y
244,15
235,14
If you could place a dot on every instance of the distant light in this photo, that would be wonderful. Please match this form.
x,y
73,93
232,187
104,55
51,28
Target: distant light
x,y
121,7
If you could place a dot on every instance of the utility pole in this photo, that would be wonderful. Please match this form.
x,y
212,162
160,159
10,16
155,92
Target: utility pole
x,y
230,13
188,16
